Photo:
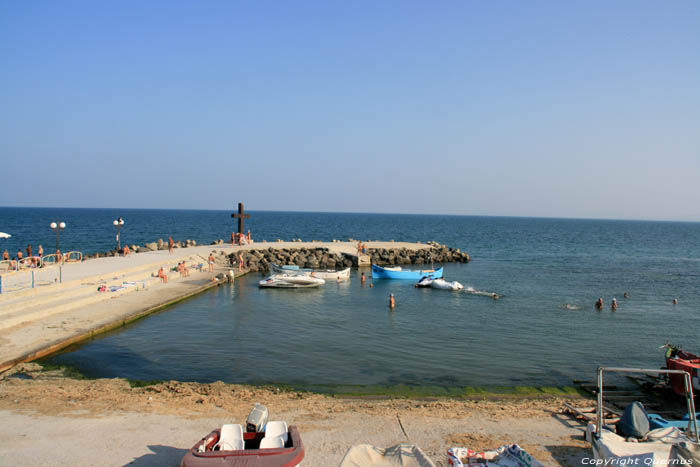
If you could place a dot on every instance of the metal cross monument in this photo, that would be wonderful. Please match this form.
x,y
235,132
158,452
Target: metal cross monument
x,y
240,216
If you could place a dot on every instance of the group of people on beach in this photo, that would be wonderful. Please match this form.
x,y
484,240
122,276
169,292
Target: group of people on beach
x,y
19,260
238,238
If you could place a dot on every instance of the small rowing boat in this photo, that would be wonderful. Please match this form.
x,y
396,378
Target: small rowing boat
x,y
327,274
291,281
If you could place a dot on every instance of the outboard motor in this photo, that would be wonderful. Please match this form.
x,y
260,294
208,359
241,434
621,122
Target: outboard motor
x,y
257,419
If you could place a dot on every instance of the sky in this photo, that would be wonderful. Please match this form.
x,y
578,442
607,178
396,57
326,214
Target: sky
x,y
584,109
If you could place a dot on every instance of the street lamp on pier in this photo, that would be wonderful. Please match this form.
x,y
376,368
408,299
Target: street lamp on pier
x,y
57,226
118,223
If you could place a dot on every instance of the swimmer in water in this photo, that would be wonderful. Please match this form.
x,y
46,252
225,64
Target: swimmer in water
x,y
392,303
625,295
599,303
675,301
613,304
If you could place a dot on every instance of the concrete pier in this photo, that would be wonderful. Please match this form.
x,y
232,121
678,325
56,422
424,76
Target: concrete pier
x,y
54,313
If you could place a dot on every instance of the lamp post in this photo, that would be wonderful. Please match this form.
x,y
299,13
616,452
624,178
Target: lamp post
x,y
57,226
118,223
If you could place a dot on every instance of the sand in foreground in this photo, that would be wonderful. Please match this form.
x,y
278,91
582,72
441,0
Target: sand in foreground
x,y
50,419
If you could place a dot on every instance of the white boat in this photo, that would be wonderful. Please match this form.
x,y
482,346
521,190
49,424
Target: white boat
x,y
327,274
443,284
291,281
426,281
332,275
662,446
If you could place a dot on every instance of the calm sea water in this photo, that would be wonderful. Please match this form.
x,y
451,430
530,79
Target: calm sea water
x,y
345,334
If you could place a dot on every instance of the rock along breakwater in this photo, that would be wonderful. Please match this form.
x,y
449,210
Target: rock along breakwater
x,y
321,257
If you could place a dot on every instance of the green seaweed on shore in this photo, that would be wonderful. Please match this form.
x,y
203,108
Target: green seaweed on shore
x,y
138,383
67,371
450,392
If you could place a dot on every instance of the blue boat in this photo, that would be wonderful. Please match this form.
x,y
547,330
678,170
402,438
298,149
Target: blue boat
x,y
379,272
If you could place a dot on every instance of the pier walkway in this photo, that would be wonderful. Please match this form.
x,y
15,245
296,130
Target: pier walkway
x,y
36,321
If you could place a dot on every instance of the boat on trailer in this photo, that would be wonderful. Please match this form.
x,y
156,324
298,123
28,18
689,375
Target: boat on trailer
x,y
661,446
396,272
291,281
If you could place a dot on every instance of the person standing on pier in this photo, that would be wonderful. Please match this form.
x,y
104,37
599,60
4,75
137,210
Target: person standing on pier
x,y
5,256
211,262
40,252
170,245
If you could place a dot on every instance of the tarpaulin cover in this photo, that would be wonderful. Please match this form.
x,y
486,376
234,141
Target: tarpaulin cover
x,y
634,421
401,455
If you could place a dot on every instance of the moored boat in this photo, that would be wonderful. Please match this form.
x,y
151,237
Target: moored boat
x,y
379,272
443,284
289,269
289,281
425,282
327,274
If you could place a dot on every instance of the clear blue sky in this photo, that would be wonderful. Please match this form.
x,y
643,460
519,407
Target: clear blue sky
x,y
531,108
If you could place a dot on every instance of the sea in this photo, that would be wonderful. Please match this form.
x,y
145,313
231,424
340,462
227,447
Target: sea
x,y
543,331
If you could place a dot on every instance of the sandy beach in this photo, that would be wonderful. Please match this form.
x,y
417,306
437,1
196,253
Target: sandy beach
x,y
52,419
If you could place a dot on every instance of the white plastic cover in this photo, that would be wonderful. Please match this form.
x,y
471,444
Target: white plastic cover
x,y
401,455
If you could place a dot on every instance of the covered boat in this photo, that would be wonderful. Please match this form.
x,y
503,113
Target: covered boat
x,y
379,272
327,274
276,446
677,359
288,281
443,284
631,442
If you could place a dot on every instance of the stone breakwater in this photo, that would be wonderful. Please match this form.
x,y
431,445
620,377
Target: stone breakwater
x,y
260,259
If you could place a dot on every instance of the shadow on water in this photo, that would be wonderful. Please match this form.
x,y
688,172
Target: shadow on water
x,y
160,456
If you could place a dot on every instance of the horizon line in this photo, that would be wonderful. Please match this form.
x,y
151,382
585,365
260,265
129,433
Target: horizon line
x,y
502,216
